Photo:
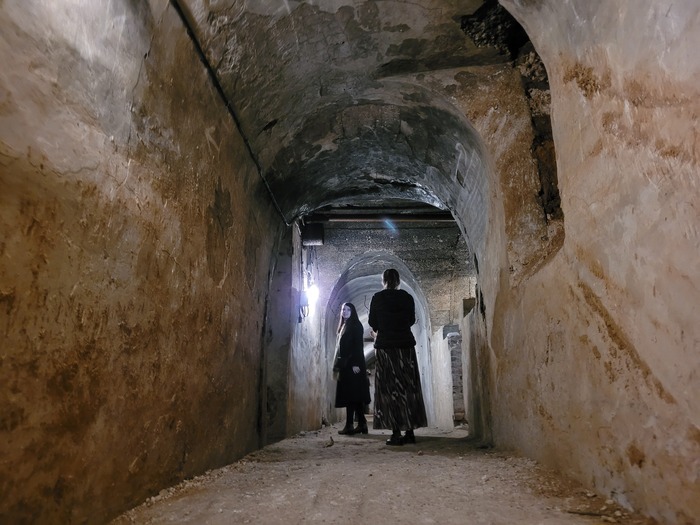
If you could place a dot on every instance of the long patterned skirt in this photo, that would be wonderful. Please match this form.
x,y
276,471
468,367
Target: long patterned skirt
x,y
398,396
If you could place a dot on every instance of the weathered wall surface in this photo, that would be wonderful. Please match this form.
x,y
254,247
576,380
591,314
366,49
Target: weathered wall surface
x,y
519,239
135,243
442,384
278,338
493,99
307,364
326,89
599,374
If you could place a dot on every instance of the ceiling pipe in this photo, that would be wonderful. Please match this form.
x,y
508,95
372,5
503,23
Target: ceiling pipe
x,y
374,217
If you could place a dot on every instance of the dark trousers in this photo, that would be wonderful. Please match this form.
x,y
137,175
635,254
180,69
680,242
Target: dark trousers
x,y
355,409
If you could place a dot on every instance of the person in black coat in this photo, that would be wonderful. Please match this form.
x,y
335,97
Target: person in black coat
x,y
398,397
352,390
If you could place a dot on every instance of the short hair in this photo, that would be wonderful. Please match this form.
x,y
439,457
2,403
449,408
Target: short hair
x,y
391,278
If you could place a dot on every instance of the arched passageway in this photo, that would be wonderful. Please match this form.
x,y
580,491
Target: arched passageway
x,y
360,280
160,161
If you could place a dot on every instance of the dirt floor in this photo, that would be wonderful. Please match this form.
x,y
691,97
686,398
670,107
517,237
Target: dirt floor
x,y
324,477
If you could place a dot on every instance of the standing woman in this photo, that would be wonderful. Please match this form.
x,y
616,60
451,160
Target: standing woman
x,y
398,397
352,390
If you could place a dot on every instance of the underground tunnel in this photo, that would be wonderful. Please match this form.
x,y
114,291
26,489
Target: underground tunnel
x,y
175,176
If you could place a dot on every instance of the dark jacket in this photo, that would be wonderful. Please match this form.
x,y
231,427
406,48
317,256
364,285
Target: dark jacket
x,y
391,315
352,387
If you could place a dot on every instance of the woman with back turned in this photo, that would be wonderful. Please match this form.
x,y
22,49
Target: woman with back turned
x,y
398,397
352,390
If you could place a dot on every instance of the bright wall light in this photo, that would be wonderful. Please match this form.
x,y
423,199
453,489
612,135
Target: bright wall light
x,y
312,294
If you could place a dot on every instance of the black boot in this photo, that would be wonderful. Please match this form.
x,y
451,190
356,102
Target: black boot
x,y
348,430
361,427
395,439
409,437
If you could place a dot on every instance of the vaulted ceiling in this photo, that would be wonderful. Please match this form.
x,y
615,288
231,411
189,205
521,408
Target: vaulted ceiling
x,y
327,93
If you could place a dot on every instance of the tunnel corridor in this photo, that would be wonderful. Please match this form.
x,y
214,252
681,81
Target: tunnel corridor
x,y
178,176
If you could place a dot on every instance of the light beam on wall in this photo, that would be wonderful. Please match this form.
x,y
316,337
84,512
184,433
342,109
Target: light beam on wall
x,y
312,295
393,230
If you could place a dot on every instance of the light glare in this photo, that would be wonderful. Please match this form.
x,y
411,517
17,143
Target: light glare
x,y
312,294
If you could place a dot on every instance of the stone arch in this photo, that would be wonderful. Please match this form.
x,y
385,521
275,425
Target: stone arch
x,y
400,140
360,280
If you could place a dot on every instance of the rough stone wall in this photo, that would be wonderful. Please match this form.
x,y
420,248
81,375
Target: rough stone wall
x,y
440,413
520,239
454,344
599,371
135,243
478,371
493,99
307,369
278,339
325,89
